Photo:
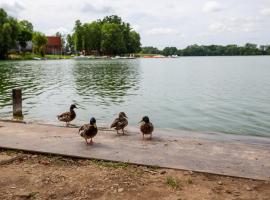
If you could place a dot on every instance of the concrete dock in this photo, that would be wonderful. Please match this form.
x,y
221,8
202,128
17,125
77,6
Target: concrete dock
x,y
216,153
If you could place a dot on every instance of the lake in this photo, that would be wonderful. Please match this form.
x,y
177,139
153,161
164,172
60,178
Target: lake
x,y
220,94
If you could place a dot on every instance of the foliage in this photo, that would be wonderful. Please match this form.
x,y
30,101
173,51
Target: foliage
x,y
26,32
150,50
9,31
112,39
168,51
69,43
211,50
173,182
107,36
39,42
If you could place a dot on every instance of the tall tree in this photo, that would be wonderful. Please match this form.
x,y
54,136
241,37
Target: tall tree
x,y
26,32
134,42
39,42
112,39
92,32
70,43
9,31
78,36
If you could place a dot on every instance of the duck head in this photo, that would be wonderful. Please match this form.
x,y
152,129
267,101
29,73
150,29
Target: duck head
x,y
145,119
122,115
93,122
73,106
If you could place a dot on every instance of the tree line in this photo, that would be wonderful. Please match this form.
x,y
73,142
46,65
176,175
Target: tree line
x,y
14,32
211,50
107,36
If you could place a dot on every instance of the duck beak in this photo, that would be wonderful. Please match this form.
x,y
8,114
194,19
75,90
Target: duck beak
x,y
140,121
95,125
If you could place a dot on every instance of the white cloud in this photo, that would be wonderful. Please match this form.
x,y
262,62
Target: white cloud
x,y
211,6
160,23
234,24
265,11
161,31
96,8
61,30
12,9
218,27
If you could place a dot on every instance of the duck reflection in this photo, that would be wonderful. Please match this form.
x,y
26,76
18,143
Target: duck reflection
x,y
109,81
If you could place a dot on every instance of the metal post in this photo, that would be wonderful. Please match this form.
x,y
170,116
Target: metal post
x,y
17,102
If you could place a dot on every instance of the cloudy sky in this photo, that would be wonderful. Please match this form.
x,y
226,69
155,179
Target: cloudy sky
x,y
160,22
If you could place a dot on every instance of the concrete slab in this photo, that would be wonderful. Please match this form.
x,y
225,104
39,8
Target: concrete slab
x,y
240,156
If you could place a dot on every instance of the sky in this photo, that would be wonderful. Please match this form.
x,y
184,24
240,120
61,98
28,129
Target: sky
x,y
160,23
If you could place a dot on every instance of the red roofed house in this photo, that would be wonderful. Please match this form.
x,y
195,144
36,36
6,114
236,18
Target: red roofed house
x,y
53,45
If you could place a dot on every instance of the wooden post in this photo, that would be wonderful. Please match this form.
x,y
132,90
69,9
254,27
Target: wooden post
x,y
17,102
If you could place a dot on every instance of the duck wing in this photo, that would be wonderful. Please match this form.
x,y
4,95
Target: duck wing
x,y
64,116
122,123
88,130
147,128
115,122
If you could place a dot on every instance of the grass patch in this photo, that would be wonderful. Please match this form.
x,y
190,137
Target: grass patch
x,y
154,167
31,56
110,164
189,180
173,182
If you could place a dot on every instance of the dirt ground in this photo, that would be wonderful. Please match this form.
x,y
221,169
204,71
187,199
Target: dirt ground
x,y
35,176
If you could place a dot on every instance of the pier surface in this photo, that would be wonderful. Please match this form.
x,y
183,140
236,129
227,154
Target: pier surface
x,y
216,153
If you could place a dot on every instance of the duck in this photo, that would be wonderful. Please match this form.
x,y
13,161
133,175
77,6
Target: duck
x,y
68,116
146,127
89,131
120,123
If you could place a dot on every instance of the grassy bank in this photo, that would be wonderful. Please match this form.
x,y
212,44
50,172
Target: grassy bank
x,y
32,56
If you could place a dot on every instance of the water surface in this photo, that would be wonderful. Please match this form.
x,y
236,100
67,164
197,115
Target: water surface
x,y
223,94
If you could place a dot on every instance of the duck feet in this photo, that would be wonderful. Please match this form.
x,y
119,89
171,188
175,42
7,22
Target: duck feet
x,y
89,143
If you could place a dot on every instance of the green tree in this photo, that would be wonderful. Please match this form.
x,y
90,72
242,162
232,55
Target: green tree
x,y
250,49
134,42
26,32
70,43
92,36
112,39
150,50
39,42
78,36
169,51
9,31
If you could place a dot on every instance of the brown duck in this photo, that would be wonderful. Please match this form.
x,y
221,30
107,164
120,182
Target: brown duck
x,y
68,116
120,123
89,131
146,127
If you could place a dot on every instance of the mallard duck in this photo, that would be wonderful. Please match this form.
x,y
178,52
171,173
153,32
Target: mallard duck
x,y
120,123
89,131
146,126
68,116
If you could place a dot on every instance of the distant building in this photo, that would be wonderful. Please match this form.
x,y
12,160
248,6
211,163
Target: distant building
x,y
53,45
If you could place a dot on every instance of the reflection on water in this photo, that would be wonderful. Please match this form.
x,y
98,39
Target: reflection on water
x,y
109,81
224,94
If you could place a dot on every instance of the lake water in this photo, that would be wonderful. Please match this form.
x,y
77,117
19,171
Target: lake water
x,y
223,94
